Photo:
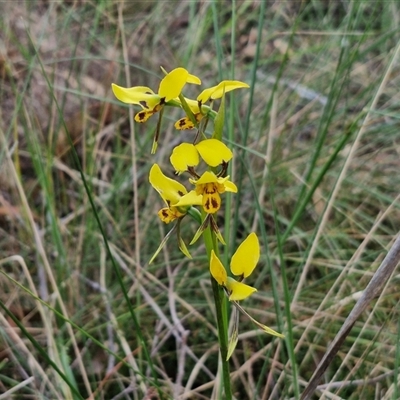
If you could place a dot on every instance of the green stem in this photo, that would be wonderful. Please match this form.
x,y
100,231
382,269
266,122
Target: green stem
x,y
222,312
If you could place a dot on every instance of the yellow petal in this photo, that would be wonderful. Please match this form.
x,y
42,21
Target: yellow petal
x,y
172,84
184,123
217,270
193,79
140,95
230,186
213,152
190,199
170,190
223,184
194,105
190,78
239,290
205,94
183,156
217,92
246,256
227,86
168,215
207,177
211,198
143,116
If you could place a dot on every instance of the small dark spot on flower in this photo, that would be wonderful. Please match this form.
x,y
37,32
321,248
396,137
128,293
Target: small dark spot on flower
x,y
210,189
214,202
143,104
180,193
164,213
162,101
141,115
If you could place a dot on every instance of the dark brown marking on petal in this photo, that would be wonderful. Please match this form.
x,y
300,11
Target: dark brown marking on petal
x,y
210,189
180,193
165,213
144,104
141,116
162,101
214,202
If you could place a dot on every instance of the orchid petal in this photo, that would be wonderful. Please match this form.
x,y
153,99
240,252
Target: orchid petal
x,y
206,94
217,270
172,84
169,214
239,290
216,92
246,256
213,152
183,156
184,124
170,190
140,95
211,199
193,79
227,86
207,177
190,199
193,104
143,116
230,186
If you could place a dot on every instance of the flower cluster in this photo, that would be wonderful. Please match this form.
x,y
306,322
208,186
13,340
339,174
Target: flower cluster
x,y
205,160
207,185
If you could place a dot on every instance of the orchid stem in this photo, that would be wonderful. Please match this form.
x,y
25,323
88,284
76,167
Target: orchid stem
x,y
221,311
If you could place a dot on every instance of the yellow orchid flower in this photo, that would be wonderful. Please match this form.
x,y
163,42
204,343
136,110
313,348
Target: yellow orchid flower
x,y
170,88
174,194
213,93
178,202
210,186
242,265
212,151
